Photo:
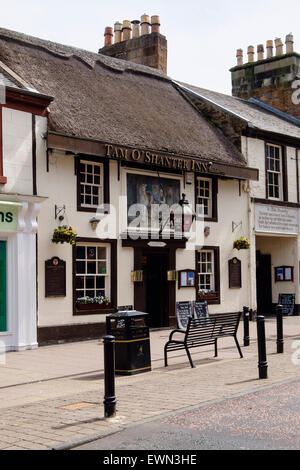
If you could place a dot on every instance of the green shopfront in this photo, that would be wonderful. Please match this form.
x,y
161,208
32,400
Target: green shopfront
x,y
2,286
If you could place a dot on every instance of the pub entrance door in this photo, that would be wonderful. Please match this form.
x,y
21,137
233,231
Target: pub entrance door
x,y
263,283
3,326
155,267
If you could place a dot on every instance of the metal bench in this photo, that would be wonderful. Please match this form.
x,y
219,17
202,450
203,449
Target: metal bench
x,y
200,333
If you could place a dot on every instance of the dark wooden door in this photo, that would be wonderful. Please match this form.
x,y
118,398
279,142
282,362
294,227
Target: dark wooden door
x,y
263,284
155,272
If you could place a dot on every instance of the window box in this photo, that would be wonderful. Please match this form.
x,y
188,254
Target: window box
x,y
207,297
92,307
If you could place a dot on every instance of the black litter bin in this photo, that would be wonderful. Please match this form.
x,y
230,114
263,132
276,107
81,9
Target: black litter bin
x,y
132,342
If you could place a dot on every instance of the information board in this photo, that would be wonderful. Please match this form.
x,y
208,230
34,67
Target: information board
x,y
183,312
288,303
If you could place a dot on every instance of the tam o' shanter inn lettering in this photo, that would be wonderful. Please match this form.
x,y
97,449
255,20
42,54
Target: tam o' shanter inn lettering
x,y
146,157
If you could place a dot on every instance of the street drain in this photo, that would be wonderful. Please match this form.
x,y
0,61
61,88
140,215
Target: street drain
x,y
77,406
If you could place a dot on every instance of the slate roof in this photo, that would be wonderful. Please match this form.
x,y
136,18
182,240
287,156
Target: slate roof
x,y
249,112
115,101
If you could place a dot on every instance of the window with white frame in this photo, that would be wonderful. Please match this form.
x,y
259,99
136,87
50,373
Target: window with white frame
x,y
206,274
91,184
92,270
204,197
274,171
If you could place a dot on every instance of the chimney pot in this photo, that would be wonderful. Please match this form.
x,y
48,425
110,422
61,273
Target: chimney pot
x,y
260,52
118,32
251,54
240,57
145,25
289,41
155,24
135,28
279,46
126,30
270,47
108,36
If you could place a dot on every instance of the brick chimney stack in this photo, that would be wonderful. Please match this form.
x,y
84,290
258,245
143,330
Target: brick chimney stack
x,y
138,42
269,79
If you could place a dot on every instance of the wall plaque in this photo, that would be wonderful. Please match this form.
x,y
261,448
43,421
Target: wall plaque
x,y
55,278
235,273
276,219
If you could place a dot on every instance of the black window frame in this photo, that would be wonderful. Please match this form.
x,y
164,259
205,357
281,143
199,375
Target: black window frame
x,y
106,184
215,189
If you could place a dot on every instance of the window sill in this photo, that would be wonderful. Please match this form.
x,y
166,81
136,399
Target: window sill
x,y
104,311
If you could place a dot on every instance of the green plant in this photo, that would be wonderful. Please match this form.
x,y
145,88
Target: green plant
x,y
242,244
64,234
207,293
93,300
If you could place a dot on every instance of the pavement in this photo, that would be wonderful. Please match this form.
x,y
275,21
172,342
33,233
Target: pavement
x,y
52,397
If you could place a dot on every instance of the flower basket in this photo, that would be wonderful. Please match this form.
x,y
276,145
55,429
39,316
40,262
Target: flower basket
x,y
241,244
64,234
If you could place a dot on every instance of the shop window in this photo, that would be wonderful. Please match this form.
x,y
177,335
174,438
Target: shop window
x,y
207,265
206,198
92,271
274,171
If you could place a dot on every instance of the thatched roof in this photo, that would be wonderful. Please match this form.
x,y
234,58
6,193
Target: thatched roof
x,y
111,100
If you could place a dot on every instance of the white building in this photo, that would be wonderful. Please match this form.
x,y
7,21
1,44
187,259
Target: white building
x,y
23,120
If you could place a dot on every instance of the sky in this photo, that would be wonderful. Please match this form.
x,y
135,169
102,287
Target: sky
x,y
202,35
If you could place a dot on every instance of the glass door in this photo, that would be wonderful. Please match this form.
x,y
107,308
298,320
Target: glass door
x,y
2,286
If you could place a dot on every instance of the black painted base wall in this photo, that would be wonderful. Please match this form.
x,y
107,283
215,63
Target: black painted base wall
x,y
70,333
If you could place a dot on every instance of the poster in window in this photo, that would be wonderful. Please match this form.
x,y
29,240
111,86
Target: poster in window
x,y
288,274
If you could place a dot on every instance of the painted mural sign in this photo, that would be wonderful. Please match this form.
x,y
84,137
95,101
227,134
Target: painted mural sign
x,y
276,219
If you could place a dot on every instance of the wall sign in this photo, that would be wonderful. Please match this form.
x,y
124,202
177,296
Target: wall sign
x,y
183,312
235,273
284,274
288,303
55,278
276,219
9,214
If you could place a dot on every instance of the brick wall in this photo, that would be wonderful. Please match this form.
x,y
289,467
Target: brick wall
x,y
150,50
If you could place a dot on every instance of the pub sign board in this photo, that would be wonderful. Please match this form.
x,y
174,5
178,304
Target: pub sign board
x,y
55,278
184,312
288,303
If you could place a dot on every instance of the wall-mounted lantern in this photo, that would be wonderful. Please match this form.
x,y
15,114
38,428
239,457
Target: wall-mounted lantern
x,y
94,223
137,276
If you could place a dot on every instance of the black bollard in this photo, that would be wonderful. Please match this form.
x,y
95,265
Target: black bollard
x,y
262,353
109,377
246,326
280,341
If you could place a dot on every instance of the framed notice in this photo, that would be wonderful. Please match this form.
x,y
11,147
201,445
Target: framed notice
x,y
284,274
187,278
55,278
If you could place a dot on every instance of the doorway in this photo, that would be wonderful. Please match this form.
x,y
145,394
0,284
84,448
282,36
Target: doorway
x,y
3,322
263,284
155,267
